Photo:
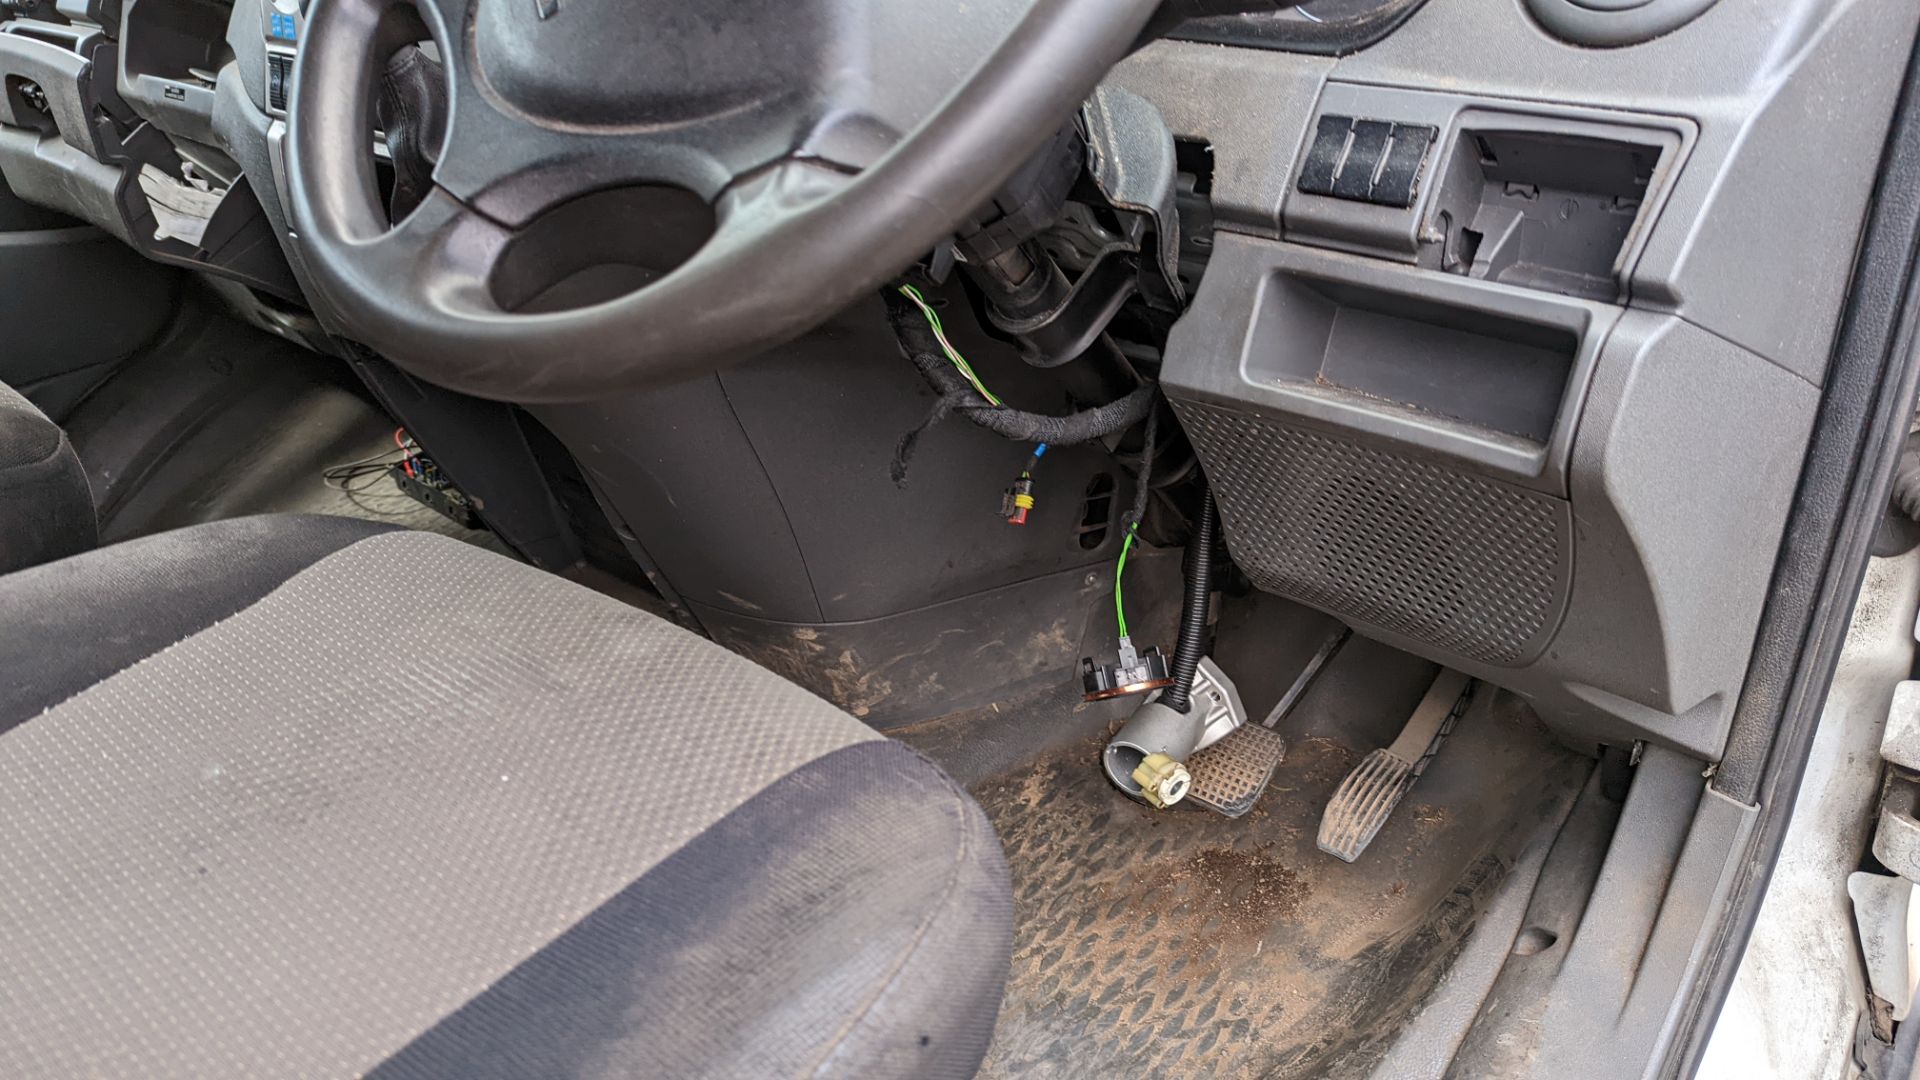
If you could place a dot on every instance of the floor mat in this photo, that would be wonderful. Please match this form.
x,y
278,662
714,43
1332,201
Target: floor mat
x,y
277,470
225,421
1182,943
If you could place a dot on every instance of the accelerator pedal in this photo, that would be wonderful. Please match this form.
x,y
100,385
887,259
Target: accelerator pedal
x,y
1370,792
1229,775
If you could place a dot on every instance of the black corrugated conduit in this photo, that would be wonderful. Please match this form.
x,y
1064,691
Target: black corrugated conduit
x,y
1193,617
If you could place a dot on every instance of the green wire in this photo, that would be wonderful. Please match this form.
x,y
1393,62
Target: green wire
x,y
1119,568
953,354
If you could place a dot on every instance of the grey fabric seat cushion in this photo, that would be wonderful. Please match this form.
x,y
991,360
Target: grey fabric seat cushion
x,y
422,811
46,506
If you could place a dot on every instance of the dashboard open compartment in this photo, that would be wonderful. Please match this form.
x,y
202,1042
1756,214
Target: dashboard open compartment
x,y
1482,368
1546,203
1486,376
171,53
174,39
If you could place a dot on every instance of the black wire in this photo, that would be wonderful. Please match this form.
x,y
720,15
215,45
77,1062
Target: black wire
x,y
340,475
957,395
376,458
357,479
1193,617
1144,475
339,480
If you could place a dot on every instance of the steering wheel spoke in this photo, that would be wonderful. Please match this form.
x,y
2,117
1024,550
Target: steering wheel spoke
x,y
756,203
431,269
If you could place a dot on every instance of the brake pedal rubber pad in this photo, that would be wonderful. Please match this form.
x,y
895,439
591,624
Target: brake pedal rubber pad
x,y
1229,776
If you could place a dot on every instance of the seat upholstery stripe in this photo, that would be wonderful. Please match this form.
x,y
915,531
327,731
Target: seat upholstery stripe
x,y
853,919
69,624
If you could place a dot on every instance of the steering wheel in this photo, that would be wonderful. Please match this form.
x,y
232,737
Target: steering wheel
x,y
829,143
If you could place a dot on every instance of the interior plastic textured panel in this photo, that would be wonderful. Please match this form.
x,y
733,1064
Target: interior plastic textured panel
x,y
1465,564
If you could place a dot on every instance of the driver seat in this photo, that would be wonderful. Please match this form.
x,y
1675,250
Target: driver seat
x,y
310,796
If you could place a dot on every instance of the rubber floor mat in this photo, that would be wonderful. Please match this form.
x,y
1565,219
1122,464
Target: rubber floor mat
x,y
1182,943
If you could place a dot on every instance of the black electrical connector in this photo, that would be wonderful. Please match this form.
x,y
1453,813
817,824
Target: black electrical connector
x,y
1134,673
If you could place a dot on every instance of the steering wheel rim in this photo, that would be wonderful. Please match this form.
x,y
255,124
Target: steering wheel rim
x,y
796,243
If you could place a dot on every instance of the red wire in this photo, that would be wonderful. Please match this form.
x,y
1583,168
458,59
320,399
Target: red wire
x,y
400,440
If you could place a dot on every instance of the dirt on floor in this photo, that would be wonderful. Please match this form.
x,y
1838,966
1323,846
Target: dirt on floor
x,y
1181,943
1249,890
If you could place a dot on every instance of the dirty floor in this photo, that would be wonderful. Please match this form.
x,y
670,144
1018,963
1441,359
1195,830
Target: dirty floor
x,y
1181,943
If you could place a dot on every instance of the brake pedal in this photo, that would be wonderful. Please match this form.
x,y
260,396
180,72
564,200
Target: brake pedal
x,y
1229,775
1367,796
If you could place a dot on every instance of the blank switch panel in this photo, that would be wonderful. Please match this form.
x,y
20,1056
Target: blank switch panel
x,y
1373,161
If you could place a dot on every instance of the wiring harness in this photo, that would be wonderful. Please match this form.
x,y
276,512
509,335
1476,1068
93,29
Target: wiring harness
x,y
355,477
924,341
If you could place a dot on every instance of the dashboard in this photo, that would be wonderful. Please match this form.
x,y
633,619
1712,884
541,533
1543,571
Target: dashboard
x,y
152,119
162,121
